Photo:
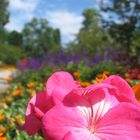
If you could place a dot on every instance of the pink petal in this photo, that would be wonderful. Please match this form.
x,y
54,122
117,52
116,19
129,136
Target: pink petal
x,y
38,113
60,120
60,80
94,98
80,135
58,94
120,123
101,102
124,90
40,100
32,125
36,108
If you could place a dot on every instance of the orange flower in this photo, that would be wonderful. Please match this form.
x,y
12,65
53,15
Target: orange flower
x,y
7,67
106,73
8,79
85,84
2,133
1,117
12,120
98,80
136,90
100,77
76,74
17,92
3,138
3,129
30,85
103,75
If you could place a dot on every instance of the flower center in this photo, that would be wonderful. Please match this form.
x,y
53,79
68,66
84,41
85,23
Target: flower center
x,y
91,128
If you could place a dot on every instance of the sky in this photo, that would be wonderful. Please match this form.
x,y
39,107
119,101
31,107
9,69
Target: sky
x,y
63,14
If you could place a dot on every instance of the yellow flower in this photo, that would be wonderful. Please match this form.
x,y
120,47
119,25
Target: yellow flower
x,y
32,93
3,105
11,121
136,90
17,92
19,119
8,99
31,85
41,85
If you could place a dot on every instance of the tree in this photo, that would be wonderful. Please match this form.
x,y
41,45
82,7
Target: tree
x,y
123,20
91,37
4,16
14,38
39,38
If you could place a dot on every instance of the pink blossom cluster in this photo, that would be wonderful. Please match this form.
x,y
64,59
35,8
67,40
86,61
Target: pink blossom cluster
x,y
66,111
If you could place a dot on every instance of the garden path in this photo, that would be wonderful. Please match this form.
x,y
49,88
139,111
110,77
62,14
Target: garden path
x,y
5,75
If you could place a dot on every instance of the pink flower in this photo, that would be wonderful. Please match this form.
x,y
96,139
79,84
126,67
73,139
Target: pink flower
x,y
57,86
104,111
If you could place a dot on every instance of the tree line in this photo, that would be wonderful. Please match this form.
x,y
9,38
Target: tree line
x,y
115,25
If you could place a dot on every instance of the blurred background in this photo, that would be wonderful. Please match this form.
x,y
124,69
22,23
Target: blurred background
x,y
59,31
91,39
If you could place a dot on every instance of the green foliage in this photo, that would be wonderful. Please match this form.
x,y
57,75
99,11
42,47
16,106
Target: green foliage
x,y
91,36
39,38
3,35
136,46
4,15
36,75
10,54
123,23
14,38
46,72
29,76
89,73
71,67
113,68
86,72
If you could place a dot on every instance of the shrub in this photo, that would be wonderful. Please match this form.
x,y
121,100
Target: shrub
x,y
10,54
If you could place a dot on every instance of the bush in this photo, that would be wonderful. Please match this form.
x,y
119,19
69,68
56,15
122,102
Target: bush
x,y
89,73
10,54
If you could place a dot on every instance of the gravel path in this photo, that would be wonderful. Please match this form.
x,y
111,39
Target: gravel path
x,y
5,74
